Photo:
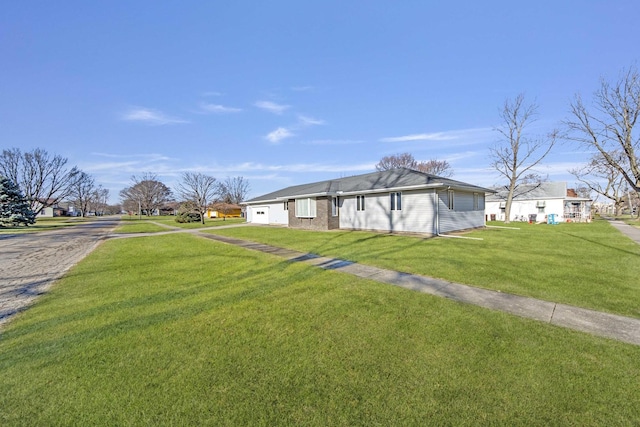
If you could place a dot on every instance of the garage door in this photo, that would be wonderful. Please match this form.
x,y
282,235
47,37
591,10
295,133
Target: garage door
x,y
261,215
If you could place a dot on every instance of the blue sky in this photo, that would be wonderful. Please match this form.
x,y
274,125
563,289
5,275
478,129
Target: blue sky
x,y
289,92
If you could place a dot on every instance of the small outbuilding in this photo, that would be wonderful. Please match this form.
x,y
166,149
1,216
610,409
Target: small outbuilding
x,y
397,200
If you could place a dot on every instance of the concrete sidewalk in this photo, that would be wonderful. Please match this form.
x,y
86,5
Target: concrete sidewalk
x,y
620,328
631,232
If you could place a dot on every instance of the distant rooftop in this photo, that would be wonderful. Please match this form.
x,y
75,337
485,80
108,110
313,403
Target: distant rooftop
x,y
543,190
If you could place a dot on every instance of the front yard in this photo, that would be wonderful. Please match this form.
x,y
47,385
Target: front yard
x,y
181,330
588,265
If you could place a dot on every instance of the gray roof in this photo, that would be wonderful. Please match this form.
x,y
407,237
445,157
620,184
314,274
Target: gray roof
x,y
543,190
390,180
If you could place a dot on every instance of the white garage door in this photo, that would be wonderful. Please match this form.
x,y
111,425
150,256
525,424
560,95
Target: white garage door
x,y
261,215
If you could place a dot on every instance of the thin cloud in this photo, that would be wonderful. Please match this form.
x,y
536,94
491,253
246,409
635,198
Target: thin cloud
x,y
303,167
438,136
150,117
218,109
129,163
462,155
301,88
279,134
271,107
309,121
149,156
212,93
468,135
332,142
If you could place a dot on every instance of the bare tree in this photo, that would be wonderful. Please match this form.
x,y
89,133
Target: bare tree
x,y
81,192
100,200
400,160
198,189
435,167
44,179
146,194
598,176
608,128
406,160
88,197
583,191
517,155
234,190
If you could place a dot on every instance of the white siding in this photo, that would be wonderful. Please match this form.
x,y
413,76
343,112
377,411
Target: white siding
x,y
277,213
523,208
463,202
46,212
417,213
462,216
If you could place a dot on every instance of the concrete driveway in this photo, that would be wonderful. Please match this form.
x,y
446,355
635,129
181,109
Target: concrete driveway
x,y
30,262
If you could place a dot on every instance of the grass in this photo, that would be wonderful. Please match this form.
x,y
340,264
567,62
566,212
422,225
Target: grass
x,y
44,224
163,223
588,265
180,330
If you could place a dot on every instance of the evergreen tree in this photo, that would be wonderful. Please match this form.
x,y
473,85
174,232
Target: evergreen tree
x,y
14,207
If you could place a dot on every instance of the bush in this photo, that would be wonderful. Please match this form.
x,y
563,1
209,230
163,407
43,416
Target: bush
x,y
188,217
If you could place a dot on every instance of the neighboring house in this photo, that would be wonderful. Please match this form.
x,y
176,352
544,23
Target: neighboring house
x,y
535,202
53,211
224,210
398,200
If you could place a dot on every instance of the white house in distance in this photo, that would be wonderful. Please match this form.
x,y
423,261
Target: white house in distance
x,y
541,200
397,200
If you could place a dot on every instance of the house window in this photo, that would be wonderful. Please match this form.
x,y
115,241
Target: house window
x,y
476,201
396,201
335,202
450,201
360,203
306,208
286,205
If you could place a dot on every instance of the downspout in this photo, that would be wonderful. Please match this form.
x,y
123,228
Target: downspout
x,y
435,198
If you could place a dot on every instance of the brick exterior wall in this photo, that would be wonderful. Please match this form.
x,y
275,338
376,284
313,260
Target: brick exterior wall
x,y
323,220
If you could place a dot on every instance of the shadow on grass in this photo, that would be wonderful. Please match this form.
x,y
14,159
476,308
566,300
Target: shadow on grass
x,y
132,314
600,243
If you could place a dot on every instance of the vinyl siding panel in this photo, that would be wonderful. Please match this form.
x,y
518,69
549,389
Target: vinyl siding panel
x,y
462,216
463,202
417,213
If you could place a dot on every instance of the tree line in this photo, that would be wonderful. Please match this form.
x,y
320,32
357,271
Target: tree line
x,y
35,180
32,181
605,127
196,190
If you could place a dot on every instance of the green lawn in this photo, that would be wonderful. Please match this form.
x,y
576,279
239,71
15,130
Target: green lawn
x,y
163,223
589,265
180,330
45,224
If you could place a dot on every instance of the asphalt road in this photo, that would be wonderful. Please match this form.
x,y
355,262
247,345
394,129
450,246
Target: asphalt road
x,y
31,262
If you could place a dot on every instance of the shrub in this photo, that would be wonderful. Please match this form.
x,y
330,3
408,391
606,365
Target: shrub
x,y
188,217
